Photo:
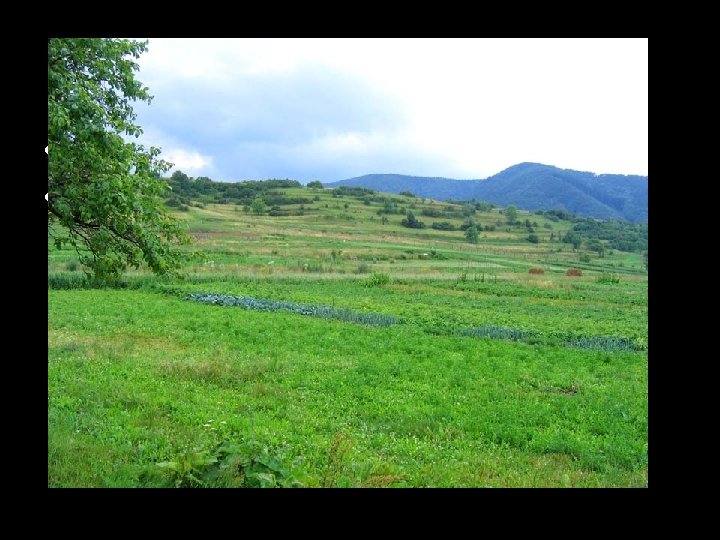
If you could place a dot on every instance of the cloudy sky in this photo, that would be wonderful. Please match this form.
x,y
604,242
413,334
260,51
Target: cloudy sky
x,y
329,109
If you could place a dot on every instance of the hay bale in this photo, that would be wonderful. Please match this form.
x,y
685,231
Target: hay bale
x,y
573,272
537,271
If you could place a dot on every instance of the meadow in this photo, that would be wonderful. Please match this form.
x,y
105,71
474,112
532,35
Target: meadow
x,y
329,346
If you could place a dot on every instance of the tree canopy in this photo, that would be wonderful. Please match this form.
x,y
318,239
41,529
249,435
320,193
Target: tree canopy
x,y
104,193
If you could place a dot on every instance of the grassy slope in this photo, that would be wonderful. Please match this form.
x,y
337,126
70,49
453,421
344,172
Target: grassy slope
x,y
135,376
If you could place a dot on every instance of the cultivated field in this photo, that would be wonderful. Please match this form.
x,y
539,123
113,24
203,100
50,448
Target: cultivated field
x,y
339,348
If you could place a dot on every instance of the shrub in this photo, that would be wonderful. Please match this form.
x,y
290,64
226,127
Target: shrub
x,y
412,222
443,226
363,268
607,277
248,465
471,235
533,238
431,212
377,279
536,270
72,266
573,272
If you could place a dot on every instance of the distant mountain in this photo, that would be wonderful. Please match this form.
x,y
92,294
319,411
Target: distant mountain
x,y
530,186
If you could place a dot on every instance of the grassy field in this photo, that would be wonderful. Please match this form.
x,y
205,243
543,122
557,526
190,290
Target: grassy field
x,y
487,376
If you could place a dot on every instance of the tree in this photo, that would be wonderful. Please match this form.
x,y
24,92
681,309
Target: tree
x,y
258,206
573,238
389,206
511,213
104,193
471,235
533,238
412,222
315,184
597,246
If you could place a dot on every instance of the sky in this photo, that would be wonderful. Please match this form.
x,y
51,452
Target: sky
x,y
330,109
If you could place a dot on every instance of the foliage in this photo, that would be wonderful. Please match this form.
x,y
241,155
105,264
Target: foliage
x,y
470,222
533,238
412,222
432,212
258,206
104,194
186,189
608,277
187,468
247,465
443,226
315,184
484,206
573,238
471,235
511,213
363,268
618,234
496,332
389,207
313,310
603,343
357,192
377,279
597,246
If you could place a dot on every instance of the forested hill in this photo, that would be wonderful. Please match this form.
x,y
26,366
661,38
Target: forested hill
x,y
530,186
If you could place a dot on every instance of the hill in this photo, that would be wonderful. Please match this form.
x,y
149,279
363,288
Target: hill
x,y
314,340
530,186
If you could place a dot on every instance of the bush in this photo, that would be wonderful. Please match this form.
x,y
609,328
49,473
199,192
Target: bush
x,y
363,268
533,238
607,277
377,279
535,270
431,212
471,235
443,226
72,266
576,272
412,222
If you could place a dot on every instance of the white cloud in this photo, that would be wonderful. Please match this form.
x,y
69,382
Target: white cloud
x,y
479,104
188,162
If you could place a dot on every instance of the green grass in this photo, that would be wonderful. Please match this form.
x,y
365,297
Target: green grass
x,y
147,389
134,377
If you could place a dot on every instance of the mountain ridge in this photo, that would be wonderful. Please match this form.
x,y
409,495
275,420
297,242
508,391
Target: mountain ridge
x,y
529,186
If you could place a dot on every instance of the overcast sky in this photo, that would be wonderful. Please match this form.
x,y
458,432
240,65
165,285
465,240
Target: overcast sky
x,y
329,109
